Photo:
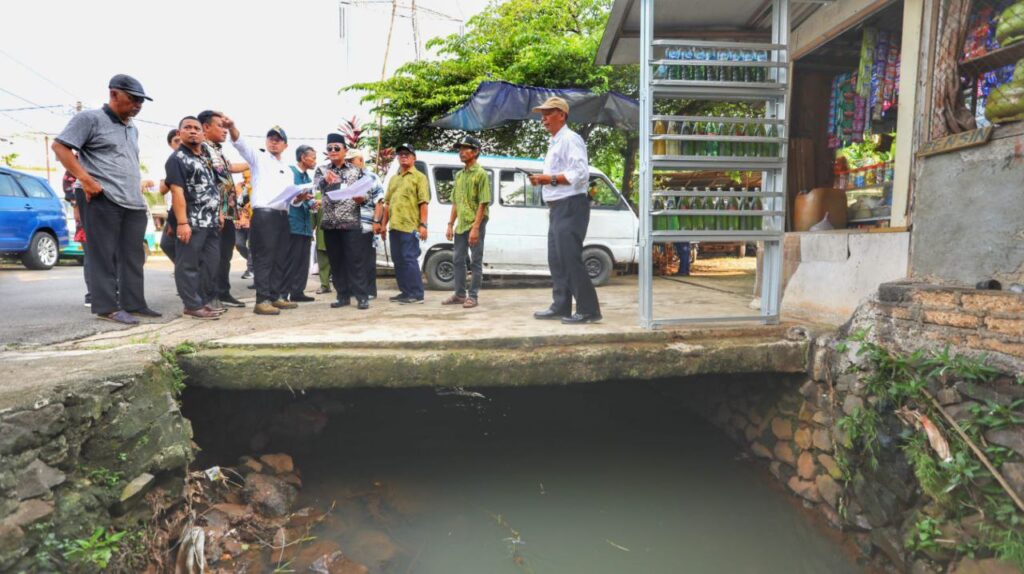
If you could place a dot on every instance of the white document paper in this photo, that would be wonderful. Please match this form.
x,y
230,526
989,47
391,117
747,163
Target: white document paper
x,y
359,188
290,192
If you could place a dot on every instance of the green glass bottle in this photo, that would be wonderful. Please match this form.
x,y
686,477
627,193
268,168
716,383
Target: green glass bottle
x,y
712,144
758,222
725,148
733,205
753,150
721,220
699,147
709,205
686,147
773,148
739,149
696,221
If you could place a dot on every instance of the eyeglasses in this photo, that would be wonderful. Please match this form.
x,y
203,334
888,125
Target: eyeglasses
x,y
335,148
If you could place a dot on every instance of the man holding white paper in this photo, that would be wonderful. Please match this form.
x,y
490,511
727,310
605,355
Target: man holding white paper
x,y
268,231
347,246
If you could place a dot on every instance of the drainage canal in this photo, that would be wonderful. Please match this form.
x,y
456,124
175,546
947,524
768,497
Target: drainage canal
x,y
596,478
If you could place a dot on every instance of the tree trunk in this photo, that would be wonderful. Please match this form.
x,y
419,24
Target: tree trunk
x,y
629,163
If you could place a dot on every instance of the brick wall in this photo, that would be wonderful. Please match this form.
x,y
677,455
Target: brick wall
x,y
913,315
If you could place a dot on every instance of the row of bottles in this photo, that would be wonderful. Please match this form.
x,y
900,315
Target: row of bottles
x,y
723,221
711,72
714,148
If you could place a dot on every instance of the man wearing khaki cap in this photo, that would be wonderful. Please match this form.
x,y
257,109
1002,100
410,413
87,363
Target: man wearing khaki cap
x,y
564,181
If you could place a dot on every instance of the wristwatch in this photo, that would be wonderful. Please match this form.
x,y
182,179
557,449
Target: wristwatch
x,y
423,225
554,180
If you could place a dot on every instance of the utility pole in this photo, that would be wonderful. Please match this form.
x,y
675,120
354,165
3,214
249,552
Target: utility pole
x,y
46,150
384,73
415,30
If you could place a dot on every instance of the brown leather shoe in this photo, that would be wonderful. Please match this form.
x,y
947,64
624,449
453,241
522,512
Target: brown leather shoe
x,y
266,308
282,304
202,313
469,303
454,300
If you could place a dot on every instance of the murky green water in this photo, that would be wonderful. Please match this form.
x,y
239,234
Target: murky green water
x,y
580,479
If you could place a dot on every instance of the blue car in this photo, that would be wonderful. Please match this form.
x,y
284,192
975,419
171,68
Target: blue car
x,y
32,220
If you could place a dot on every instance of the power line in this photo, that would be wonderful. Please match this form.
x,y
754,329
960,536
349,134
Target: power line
x,y
39,74
30,108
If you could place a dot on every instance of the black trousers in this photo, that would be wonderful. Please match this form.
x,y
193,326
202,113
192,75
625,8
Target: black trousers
x,y
195,268
168,242
567,227
298,264
242,244
347,251
82,215
371,266
222,282
268,243
115,236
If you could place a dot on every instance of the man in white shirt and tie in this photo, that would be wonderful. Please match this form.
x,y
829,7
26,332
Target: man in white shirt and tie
x,y
269,236
564,181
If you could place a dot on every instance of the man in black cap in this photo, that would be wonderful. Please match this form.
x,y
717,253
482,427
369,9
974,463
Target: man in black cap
x,y
405,211
268,230
347,245
468,221
107,167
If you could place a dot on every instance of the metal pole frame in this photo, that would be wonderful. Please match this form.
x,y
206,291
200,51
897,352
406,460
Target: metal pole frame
x,y
771,283
646,268
773,176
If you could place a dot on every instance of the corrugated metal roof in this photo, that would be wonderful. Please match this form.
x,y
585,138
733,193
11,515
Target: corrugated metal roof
x,y
690,19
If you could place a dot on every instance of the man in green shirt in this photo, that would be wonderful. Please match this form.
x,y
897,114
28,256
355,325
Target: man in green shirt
x,y
405,208
468,221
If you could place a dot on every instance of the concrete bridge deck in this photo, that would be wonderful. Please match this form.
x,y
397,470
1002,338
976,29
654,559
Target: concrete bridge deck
x,y
498,343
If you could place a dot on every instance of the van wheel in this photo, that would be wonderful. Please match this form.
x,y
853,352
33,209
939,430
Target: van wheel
x,y
42,252
440,270
598,264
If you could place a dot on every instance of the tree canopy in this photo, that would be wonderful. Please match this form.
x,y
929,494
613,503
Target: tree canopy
x,y
547,44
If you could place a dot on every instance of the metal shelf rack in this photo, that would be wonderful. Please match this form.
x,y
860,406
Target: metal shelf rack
x,y
772,89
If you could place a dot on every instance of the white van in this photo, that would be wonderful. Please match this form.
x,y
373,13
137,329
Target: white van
x,y
516,242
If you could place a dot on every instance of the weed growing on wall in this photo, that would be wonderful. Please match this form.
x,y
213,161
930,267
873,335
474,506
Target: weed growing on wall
x,y
959,489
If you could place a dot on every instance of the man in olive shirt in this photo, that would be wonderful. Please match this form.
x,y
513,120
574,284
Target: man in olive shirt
x,y
468,221
405,208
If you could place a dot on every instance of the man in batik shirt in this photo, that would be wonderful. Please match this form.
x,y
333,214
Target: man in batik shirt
x,y
215,134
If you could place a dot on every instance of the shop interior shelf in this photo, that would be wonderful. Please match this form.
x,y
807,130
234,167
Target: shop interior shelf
x,y
699,235
993,60
714,193
867,190
869,219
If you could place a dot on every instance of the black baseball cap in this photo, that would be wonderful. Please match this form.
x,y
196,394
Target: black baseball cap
x,y
279,132
468,141
128,85
405,147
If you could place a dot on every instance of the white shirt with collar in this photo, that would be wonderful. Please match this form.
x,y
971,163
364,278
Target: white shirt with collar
x,y
567,156
270,175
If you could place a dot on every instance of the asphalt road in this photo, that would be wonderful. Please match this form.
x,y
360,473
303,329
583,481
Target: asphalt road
x,y
47,306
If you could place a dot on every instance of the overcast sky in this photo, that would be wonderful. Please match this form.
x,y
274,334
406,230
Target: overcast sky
x,y
262,63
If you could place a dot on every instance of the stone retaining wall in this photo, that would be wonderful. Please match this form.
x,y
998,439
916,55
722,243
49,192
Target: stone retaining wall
x,y
794,427
84,459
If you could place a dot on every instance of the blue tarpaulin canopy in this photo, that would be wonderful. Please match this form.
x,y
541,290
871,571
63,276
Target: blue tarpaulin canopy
x,y
498,103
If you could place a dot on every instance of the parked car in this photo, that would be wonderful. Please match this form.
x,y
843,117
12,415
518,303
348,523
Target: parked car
x,y
516,242
32,220
151,241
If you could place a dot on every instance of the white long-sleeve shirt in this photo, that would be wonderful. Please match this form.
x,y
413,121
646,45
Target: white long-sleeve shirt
x,y
270,175
567,156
